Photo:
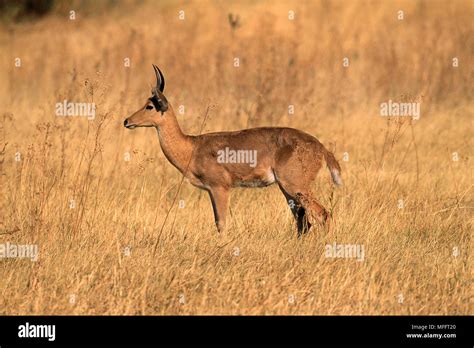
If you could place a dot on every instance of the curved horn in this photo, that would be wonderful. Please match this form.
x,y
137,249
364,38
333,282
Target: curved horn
x,y
160,80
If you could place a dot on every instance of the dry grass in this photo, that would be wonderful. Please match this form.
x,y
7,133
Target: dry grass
x,y
258,266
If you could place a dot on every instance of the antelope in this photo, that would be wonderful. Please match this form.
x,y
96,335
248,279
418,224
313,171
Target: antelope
x,y
285,156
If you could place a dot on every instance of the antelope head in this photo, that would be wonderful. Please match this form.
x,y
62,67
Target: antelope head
x,y
152,113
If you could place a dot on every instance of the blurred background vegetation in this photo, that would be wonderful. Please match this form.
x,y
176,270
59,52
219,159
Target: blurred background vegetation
x,y
24,10
124,203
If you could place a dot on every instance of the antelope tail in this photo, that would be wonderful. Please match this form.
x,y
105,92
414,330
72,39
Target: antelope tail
x,y
334,167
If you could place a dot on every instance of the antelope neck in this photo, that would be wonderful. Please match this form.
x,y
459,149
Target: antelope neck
x,y
176,146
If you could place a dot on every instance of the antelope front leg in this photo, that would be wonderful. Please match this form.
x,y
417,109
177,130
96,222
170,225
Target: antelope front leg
x,y
220,201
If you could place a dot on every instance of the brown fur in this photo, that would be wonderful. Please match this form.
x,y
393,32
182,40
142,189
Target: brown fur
x,y
286,156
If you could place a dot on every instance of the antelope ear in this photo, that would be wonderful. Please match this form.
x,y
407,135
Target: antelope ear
x,y
159,102
160,80
164,104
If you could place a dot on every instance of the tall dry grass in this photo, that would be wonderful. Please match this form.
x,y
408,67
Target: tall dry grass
x,y
96,217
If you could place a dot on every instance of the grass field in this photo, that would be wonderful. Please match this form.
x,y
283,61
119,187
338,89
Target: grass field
x,y
118,234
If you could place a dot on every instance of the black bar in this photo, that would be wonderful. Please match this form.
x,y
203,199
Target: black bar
x,y
342,330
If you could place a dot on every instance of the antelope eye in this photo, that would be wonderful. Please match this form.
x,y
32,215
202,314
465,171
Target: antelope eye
x,y
149,107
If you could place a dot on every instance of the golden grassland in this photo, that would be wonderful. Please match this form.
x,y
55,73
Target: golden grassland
x,y
97,217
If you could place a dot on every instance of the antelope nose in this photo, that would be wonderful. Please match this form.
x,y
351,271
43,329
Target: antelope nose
x,y
125,123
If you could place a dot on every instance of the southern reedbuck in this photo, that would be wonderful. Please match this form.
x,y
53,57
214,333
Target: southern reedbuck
x,y
286,156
